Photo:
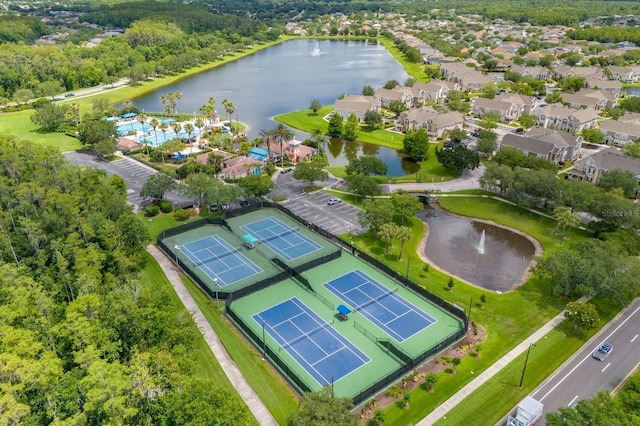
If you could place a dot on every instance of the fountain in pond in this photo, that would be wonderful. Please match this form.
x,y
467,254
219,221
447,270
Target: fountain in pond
x,y
488,256
316,50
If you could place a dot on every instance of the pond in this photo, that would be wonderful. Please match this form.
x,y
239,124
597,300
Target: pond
x,y
488,256
287,77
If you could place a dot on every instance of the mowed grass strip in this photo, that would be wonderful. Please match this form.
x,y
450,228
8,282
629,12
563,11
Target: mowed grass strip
x,y
272,389
493,400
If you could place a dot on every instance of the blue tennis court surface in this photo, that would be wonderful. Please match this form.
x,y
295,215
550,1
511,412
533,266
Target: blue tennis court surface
x,y
219,260
311,341
382,306
282,239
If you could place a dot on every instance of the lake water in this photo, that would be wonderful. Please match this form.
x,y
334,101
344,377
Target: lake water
x,y
287,77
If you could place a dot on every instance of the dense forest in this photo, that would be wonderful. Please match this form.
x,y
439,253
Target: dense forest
x,y
82,339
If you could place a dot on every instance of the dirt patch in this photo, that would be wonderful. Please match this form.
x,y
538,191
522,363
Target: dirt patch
x,y
416,379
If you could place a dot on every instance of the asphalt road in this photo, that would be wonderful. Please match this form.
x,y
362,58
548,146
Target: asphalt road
x,y
583,376
134,173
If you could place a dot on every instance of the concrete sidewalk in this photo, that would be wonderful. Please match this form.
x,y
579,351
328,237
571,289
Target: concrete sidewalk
x,y
494,369
257,408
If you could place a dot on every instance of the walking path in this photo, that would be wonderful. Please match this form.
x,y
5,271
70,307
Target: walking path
x,y
494,369
257,408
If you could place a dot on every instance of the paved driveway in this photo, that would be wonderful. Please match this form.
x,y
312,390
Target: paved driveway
x,y
134,173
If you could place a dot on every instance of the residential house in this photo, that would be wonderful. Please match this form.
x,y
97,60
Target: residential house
x,y
605,99
560,117
537,72
630,117
434,91
507,111
436,124
619,133
623,74
239,167
576,101
355,104
544,143
468,78
566,71
613,86
591,168
524,103
388,96
293,151
430,55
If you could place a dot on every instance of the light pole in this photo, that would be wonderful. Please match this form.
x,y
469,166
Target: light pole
x,y
215,287
175,252
525,363
407,274
264,342
469,316
332,374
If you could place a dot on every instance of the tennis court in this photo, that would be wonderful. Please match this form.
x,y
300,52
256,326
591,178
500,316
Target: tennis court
x,y
314,343
282,239
219,260
382,306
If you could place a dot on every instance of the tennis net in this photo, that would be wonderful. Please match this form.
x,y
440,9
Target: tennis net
x,y
216,257
305,335
376,299
280,235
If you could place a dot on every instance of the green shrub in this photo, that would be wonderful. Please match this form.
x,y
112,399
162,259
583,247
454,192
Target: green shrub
x,y
166,206
393,391
151,210
181,214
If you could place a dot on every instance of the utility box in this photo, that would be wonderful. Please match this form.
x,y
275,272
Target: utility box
x,y
528,412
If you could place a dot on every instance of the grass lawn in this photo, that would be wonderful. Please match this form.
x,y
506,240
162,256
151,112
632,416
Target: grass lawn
x,y
501,392
19,124
507,318
274,392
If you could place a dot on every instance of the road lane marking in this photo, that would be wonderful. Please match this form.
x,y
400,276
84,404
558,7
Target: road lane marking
x,y
634,338
588,356
605,367
573,400
632,371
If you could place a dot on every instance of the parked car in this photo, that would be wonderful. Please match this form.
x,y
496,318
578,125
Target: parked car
x,y
603,351
68,95
215,207
333,201
519,131
243,203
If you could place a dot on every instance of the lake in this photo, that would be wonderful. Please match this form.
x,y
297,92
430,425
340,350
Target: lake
x,y
287,77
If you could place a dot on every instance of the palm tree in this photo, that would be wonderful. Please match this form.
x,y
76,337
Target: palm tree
x,y
73,114
318,136
164,127
163,99
188,127
266,137
211,107
199,123
564,217
386,233
404,234
176,127
154,125
230,108
282,134
127,106
178,96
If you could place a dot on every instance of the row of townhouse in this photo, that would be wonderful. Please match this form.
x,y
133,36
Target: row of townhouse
x,y
592,167
552,145
557,146
436,124
466,77
622,131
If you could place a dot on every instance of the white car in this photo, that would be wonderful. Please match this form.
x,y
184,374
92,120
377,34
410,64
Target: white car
x,y
603,351
333,201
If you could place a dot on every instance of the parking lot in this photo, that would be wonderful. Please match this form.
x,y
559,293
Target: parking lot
x,y
134,174
337,219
